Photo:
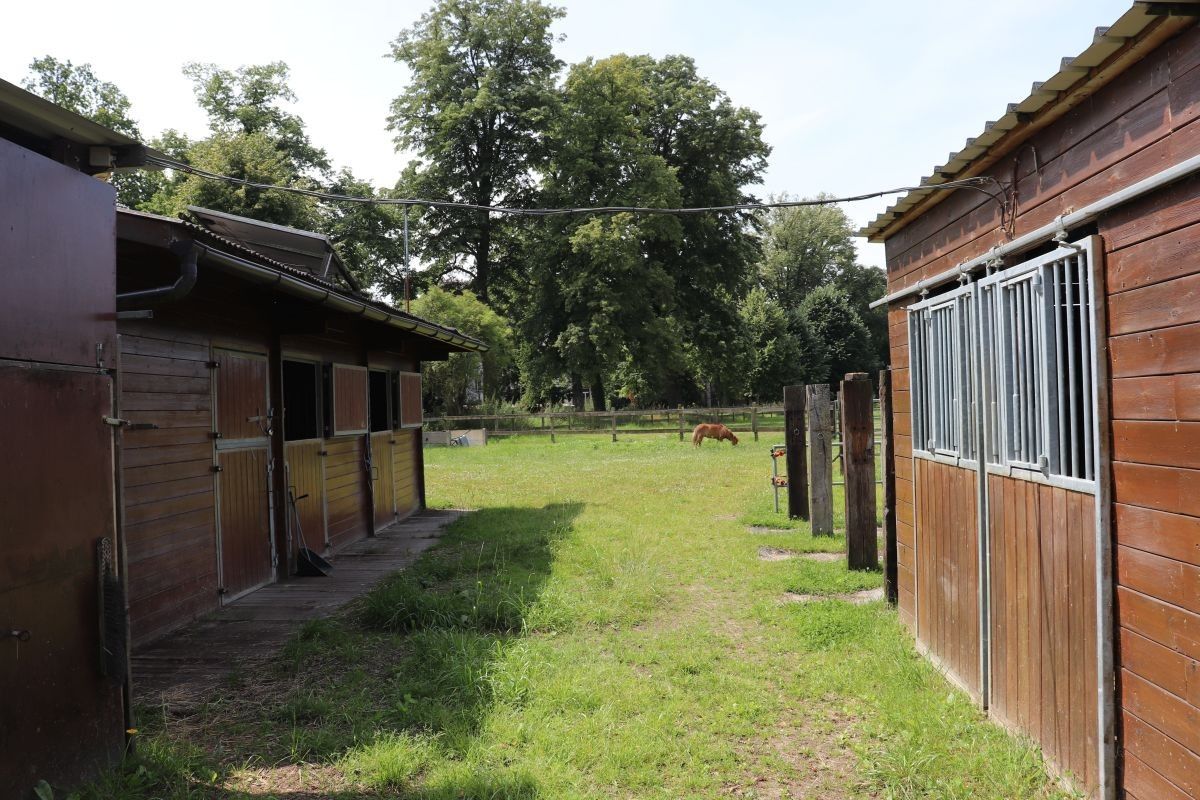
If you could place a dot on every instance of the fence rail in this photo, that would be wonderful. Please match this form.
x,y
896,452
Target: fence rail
x,y
751,420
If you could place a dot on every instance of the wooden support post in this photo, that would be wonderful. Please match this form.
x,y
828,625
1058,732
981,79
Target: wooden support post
x,y
681,423
754,421
797,467
614,425
551,429
820,442
889,487
858,461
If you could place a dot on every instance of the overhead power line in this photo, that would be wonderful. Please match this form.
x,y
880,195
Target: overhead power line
x,y
976,183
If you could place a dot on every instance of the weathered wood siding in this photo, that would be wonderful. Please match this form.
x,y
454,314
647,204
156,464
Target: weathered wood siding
x,y
1043,619
410,399
349,399
170,507
947,568
346,489
905,468
305,466
404,470
1140,123
1152,269
245,522
382,485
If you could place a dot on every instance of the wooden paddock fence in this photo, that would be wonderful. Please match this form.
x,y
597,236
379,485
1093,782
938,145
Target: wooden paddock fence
x,y
751,420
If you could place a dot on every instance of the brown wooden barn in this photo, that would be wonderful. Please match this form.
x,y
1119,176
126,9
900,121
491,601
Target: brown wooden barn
x,y
62,668
260,376
1045,342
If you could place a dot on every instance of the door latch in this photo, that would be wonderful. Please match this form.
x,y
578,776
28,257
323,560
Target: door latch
x,y
128,424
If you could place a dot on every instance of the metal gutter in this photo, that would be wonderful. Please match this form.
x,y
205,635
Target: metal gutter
x,y
1061,224
296,287
188,255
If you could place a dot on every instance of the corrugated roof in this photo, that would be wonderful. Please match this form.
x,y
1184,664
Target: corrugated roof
x,y
434,331
1112,51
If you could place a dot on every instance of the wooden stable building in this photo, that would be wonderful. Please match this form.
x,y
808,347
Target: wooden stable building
x,y
1045,345
260,377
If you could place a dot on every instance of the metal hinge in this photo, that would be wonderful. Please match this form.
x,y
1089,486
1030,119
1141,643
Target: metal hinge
x,y
216,467
222,590
212,364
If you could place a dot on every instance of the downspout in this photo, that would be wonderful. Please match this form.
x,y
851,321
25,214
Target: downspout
x,y
188,254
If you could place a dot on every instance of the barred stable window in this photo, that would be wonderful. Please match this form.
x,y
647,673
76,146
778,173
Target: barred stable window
x,y
1027,353
942,361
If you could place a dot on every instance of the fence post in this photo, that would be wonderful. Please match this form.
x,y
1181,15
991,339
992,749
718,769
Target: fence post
x,y
754,421
797,468
889,486
681,423
820,440
552,429
614,425
858,461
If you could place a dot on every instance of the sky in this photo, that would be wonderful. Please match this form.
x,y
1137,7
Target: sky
x,y
855,96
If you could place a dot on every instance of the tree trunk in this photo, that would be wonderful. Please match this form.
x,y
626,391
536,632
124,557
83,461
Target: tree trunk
x,y
708,391
577,391
483,259
598,403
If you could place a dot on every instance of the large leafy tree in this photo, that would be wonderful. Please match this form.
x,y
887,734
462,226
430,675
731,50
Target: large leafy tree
x,y
254,137
596,294
481,98
784,350
447,384
833,320
77,88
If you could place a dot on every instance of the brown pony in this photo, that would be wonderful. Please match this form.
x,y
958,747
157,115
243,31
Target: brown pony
x,y
707,431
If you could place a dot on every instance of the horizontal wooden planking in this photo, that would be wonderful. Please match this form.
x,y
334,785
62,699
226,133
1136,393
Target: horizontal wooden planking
x,y
1168,580
144,456
1162,754
158,614
1168,444
165,347
168,570
141,534
164,437
1140,780
1173,536
164,384
1162,305
190,540
1170,209
165,508
1163,488
155,401
158,365
1161,710
165,490
1161,622
159,473
356,488
197,418
1172,255
1161,666
904,513
1162,397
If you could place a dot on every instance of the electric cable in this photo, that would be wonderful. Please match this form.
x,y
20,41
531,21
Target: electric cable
x,y
975,183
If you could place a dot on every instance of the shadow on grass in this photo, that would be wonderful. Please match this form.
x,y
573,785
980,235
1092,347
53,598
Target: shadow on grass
x,y
390,695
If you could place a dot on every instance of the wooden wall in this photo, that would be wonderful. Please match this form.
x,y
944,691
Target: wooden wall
x,y
170,520
947,568
349,399
1153,266
346,489
905,467
1142,122
306,476
1043,619
404,470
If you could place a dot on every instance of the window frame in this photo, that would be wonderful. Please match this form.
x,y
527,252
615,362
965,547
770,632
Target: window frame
x,y
318,391
945,333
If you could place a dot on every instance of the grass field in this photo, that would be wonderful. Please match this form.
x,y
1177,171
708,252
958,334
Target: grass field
x,y
603,626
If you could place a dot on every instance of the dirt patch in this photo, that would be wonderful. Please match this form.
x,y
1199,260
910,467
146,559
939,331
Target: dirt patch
x,y
765,529
856,598
776,554
725,517
807,756
823,556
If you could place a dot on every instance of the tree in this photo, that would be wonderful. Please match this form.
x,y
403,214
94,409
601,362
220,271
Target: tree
x,y
803,248
833,320
254,138
595,294
447,384
368,236
784,350
481,98
76,88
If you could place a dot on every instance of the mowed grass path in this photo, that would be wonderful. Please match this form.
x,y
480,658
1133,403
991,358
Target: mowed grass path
x,y
601,627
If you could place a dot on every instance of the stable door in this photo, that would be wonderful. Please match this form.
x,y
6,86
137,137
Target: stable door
x,y
242,418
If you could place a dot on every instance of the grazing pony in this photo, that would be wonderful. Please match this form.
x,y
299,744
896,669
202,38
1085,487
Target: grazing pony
x,y
708,431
